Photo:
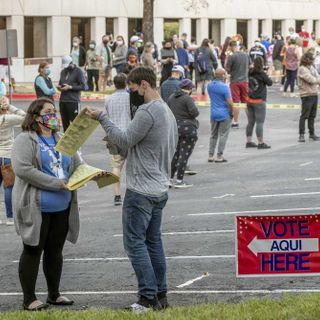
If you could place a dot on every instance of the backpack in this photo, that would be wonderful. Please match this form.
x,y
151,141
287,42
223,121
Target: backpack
x,y
202,64
253,85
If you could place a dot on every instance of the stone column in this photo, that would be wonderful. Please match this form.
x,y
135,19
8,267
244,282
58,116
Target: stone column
x,y
253,30
120,27
228,28
202,29
317,28
185,27
158,24
17,22
267,27
98,28
309,25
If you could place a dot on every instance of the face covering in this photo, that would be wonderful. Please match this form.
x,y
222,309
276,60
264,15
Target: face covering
x,y
92,46
119,42
75,44
47,71
105,41
50,121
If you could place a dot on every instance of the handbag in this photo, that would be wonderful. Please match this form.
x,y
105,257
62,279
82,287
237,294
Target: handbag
x,y
7,175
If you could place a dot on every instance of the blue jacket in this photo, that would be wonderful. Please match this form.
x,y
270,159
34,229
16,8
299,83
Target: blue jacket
x,y
183,58
168,87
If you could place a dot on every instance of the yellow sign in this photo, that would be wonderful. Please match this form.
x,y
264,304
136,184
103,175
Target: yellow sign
x,y
85,173
77,133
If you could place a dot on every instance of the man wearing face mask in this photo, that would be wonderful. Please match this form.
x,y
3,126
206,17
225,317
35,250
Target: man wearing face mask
x,y
221,115
92,65
78,53
70,84
258,50
105,58
120,54
43,84
305,36
150,142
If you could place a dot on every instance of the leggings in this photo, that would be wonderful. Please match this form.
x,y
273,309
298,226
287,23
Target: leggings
x,y
54,229
256,116
184,150
291,80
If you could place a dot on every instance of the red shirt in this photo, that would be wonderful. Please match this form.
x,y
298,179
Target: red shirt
x,y
305,36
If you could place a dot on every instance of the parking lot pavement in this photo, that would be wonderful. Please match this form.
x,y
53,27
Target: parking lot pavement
x,y
198,226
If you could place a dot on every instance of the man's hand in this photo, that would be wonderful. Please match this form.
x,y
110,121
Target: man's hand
x,y
66,87
100,175
93,113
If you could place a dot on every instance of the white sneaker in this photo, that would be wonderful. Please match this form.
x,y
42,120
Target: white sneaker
x,y
10,222
139,309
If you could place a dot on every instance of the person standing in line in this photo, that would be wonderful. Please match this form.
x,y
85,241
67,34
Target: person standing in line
x,y
224,51
173,83
221,115
308,83
78,53
168,58
183,58
43,84
276,56
258,50
256,105
92,66
204,64
3,88
120,54
292,63
150,142
237,65
71,84
9,118
146,58
185,112
105,59
305,36
117,109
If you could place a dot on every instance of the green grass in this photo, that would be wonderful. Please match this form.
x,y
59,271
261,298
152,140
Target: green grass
x,y
289,307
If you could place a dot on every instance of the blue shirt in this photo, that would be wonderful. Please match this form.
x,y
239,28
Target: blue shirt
x,y
57,165
41,83
219,92
3,89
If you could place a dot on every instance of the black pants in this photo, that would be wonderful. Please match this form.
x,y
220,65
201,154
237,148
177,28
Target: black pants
x,y
290,80
308,112
54,229
187,140
68,111
93,75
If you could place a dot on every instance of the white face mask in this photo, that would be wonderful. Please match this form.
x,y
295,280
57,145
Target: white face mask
x,y
75,44
92,46
119,42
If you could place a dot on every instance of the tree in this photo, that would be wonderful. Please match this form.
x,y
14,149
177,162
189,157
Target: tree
x,y
196,5
147,21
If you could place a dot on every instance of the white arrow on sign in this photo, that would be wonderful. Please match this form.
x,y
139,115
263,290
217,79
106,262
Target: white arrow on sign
x,y
283,245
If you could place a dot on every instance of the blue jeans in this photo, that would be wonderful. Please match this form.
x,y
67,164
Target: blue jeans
x,y
141,219
7,191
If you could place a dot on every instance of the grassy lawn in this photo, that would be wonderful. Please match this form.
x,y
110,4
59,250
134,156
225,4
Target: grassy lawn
x,y
289,307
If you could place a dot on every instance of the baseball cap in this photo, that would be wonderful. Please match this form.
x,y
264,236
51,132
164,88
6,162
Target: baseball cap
x,y
66,60
179,69
186,84
134,39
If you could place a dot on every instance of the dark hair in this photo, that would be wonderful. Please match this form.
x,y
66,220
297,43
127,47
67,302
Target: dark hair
x,y
42,66
29,123
205,43
258,64
143,73
307,59
120,81
292,41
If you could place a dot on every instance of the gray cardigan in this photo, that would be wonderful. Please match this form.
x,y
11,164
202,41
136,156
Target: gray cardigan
x,y
30,180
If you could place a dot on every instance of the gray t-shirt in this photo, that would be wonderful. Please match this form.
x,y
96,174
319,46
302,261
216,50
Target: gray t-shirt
x,y
238,67
150,140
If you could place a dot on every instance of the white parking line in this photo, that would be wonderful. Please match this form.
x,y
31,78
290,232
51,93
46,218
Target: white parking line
x,y
188,283
305,164
311,179
179,233
92,293
249,212
224,196
285,195
126,259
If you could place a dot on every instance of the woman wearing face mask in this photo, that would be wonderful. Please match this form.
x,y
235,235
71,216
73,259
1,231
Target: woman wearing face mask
x,y
43,84
9,118
185,112
168,58
92,66
46,212
147,59
120,54
78,53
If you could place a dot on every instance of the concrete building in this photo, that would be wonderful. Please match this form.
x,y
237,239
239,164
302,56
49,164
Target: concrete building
x,y
45,27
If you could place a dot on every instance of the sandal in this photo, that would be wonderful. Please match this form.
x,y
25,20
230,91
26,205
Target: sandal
x,y
36,305
61,301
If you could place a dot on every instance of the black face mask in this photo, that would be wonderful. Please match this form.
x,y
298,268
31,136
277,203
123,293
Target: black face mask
x,y
136,100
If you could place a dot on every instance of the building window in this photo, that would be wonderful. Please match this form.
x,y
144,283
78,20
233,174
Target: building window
x,y
109,26
134,26
276,26
242,28
171,27
193,29
314,25
35,37
260,22
81,27
215,30
299,24
3,23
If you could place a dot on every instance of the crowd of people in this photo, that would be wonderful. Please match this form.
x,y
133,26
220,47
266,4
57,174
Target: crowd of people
x,y
151,126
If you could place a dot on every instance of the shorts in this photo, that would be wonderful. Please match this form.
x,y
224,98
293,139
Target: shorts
x,y
117,161
239,92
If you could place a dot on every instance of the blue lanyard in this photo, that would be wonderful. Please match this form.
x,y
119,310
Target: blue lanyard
x,y
56,153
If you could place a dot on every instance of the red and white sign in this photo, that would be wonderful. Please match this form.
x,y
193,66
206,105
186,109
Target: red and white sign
x,y
277,245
